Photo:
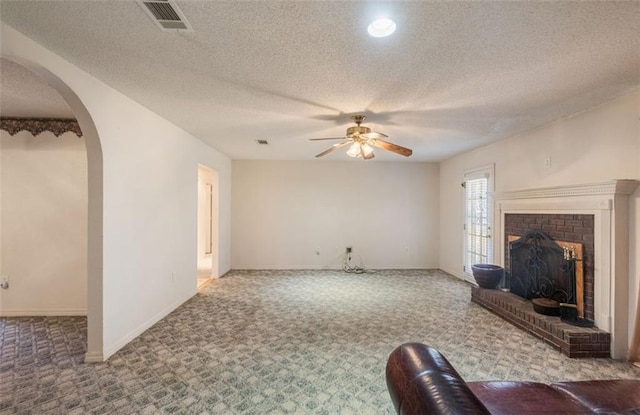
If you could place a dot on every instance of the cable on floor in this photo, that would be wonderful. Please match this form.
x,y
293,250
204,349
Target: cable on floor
x,y
347,266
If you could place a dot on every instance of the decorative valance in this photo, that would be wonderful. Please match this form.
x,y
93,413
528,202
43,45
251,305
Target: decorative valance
x,y
35,126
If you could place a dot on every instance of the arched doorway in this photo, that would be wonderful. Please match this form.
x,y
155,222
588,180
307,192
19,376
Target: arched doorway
x,y
94,203
43,200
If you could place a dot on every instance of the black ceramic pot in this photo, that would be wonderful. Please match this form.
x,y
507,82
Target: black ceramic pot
x,y
487,275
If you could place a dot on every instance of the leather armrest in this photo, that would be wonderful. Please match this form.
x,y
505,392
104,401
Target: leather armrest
x,y
421,381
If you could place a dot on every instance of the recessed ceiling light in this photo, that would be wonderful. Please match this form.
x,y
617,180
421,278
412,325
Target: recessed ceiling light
x,y
382,27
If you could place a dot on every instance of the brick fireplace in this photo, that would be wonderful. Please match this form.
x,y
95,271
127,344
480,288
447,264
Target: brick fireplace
x,y
596,216
570,229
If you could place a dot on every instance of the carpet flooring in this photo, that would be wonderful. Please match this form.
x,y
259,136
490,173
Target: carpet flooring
x,y
276,342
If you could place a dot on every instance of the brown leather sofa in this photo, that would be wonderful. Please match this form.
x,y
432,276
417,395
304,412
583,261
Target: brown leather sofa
x,y
421,381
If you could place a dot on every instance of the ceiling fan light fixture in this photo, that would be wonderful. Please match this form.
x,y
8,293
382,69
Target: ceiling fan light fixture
x,y
362,141
382,27
354,150
367,149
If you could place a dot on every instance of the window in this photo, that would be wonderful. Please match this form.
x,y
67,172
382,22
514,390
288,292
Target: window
x,y
478,247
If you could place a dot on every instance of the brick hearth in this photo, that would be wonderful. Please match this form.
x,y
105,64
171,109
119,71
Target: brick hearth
x,y
571,340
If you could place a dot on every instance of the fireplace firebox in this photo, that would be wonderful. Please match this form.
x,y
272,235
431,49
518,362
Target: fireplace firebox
x,y
549,273
557,236
539,268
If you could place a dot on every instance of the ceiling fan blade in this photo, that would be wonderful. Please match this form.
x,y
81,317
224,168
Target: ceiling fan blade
x,y
403,151
374,135
327,138
334,148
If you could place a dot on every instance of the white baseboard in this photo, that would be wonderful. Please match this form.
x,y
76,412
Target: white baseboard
x,y
93,357
110,350
44,312
287,267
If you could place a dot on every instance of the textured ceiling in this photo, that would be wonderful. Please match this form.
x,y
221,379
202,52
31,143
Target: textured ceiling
x,y
24,94
454,76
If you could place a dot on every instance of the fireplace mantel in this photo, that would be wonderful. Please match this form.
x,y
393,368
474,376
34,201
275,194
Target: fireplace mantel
x,y
613,187
608,202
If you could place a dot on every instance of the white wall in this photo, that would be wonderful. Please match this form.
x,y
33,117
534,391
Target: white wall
x,y
44,224
285,211
634,262
593,146
634,242
150,216
597,145
149,179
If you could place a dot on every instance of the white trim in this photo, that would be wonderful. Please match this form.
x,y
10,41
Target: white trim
x,y
108,352
93,357
608,203
44,312
487,171
619,187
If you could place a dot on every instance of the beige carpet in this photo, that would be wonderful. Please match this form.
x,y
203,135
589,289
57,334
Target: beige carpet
x,y
276,342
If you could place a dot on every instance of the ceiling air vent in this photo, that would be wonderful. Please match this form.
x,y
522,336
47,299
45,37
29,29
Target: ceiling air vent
x,y
261,141
166,14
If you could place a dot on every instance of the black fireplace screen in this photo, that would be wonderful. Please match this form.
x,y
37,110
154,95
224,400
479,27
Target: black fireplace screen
x,y
539,268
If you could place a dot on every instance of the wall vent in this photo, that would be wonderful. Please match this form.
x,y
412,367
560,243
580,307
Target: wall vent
x,y
166,14
261,141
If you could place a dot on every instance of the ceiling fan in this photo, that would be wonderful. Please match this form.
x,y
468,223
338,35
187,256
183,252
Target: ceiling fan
x,y
362,141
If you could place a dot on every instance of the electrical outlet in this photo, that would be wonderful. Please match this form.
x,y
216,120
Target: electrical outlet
x,y
4,282
349,249
547,162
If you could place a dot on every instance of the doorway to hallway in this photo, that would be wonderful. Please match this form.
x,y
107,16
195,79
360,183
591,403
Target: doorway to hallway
x,y
207,225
